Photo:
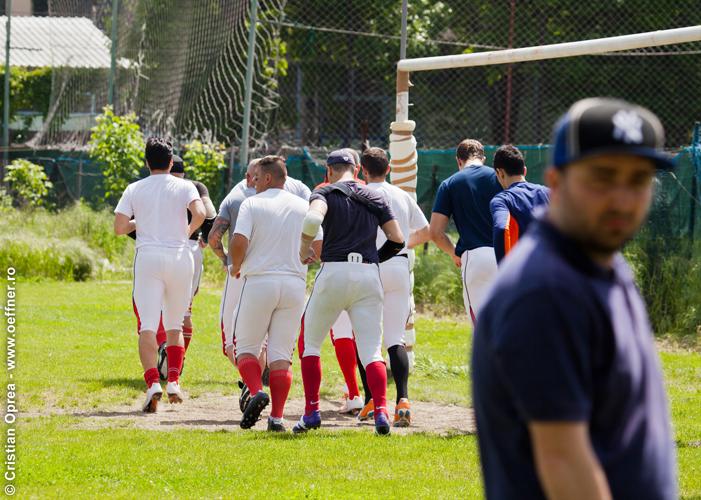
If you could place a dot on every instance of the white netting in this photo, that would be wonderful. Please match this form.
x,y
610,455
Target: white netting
x,y
181,69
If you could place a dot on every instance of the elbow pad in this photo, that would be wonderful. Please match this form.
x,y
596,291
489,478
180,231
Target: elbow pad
x,y
311,223
206,227
389,250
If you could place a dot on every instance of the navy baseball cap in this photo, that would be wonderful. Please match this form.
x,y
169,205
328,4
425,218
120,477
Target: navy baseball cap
x,y
340,156
178,165
597,126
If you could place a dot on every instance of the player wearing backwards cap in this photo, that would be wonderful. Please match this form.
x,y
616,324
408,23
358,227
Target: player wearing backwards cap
x,y
163,264
264,251
348,279
394,274
198,240
512,209
225,223
342,336
465,197
568,393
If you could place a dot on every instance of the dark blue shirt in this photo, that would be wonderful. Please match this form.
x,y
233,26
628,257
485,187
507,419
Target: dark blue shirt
x,y
561,339
512,213
465,197
349,226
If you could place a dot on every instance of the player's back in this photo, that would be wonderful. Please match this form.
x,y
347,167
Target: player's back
x,y
272,222
465,196
521,198
159,206
406,210
349,226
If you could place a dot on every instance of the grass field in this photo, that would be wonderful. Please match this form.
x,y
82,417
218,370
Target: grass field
x,y
77,352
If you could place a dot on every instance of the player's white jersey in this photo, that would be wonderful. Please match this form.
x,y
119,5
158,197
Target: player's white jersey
x,y
406,210
272,222
297,188
159,204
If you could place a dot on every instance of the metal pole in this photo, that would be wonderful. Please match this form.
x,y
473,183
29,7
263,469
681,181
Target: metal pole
x,y
6,95
113,58
402,42
243,152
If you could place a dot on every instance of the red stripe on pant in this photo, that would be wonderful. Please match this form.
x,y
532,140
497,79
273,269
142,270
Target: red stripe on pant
x,y
138,318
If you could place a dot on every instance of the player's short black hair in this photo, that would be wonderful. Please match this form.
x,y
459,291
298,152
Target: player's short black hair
x,y
469,149
159,152
509,159
375,161
273,165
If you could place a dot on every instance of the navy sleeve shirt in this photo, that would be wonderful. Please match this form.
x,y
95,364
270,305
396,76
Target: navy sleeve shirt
x,y
561,339
465,197
512,213
349,226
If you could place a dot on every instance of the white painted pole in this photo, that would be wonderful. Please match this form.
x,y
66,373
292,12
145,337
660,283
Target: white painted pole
x,y
559,50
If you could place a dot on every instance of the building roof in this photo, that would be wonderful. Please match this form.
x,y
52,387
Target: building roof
x,y
73,42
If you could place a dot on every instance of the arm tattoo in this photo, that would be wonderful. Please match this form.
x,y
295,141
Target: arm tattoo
x,y
215,236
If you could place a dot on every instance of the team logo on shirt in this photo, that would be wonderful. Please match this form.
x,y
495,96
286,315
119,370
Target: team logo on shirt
x,y
628,127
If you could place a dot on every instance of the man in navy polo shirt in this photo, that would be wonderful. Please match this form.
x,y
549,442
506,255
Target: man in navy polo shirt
x,y
465,197
568,393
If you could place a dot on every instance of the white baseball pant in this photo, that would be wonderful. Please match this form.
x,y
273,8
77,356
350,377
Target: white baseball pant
x,y
396,283
342,328
479,268
352,287
270,305
229,300
162,282
198,260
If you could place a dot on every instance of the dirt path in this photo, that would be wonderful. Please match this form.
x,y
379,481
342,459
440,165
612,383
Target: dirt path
x,y
216,412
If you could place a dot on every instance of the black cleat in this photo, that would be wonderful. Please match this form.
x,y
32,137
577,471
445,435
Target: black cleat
x,y
253,410
275,427
245,396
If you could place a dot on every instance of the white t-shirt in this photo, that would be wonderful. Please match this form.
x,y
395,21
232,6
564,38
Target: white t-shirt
x,y
297,188
406,210
159,204
272,223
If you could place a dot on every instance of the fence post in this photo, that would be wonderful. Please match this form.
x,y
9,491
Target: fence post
x,y
113,54
6,95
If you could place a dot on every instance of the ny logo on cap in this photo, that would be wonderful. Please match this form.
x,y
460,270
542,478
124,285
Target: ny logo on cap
x,y
628,126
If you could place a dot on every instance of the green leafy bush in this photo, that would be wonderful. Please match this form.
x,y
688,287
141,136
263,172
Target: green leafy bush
x,y
204,161
117,144
68,260
28,183
437,283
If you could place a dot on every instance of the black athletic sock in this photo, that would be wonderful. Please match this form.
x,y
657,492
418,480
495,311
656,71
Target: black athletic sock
x,y
364,379
399,362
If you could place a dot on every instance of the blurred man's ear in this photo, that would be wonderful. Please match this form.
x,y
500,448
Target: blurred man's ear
x,y
525,170
553,177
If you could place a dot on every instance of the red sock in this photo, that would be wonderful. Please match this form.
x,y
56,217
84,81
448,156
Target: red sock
x,y
187,336
151,376
249,368
311,379
175,353
345,353
161,333
376,373
280,383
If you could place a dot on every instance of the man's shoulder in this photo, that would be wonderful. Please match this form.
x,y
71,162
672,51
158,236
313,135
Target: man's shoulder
x,y
535,266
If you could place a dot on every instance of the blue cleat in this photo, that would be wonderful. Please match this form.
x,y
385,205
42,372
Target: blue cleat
x,y
308,422
382,426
